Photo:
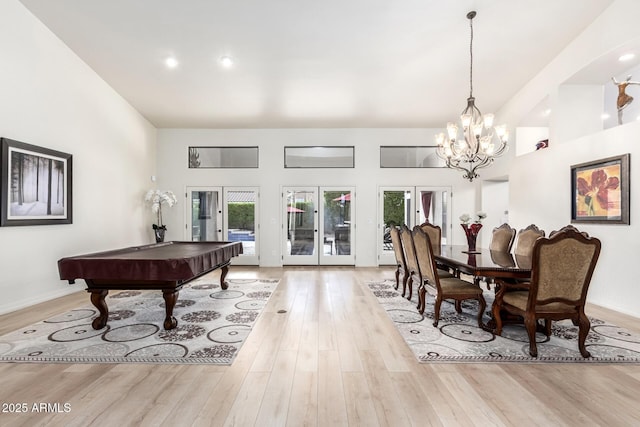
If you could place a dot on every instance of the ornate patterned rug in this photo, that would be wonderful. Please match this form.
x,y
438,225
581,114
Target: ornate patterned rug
x,y
212,326
459,339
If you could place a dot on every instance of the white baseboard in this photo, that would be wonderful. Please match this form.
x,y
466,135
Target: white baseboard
x,y
19,305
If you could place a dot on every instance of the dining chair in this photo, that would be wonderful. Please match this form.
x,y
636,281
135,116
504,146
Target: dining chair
x,y
435,237
561,270
401,261
502,238
440,287
410,256
525,240
435,234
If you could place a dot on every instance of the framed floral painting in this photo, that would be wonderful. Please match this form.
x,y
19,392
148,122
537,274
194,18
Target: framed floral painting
x,y
600,191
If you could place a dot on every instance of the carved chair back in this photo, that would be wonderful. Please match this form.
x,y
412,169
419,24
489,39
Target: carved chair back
x,y
562,268
424,256
435,235
409,251
526,239
397,248
502,238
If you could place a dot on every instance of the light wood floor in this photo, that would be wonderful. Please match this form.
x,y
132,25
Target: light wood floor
x,y
334,358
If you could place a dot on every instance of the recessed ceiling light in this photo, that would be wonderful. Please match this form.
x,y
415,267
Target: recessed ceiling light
x,y
605,116
626,57
226,61
171,62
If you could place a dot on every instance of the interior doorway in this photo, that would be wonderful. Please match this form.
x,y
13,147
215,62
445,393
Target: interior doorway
x,y
411,205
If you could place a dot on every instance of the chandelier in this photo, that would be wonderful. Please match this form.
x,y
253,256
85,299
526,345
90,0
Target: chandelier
x,y
476,148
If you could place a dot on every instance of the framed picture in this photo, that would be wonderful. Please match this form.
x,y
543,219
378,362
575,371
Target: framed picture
x,y
600,191
35,185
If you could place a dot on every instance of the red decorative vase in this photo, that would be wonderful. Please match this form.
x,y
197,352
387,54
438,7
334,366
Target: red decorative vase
x,y
472,235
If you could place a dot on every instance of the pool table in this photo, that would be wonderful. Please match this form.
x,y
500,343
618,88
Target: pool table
x,y
163,266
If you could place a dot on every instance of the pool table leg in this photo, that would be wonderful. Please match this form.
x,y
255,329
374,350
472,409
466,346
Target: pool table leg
x,y
170,297
97,299
223,275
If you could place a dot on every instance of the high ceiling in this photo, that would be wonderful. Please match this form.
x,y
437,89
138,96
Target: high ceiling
x,y
301,63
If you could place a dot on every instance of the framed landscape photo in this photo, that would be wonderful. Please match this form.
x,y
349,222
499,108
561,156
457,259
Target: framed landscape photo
x,y
35,185
600,191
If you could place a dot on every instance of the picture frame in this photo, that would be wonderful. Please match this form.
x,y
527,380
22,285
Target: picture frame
x,y
600,191
36,185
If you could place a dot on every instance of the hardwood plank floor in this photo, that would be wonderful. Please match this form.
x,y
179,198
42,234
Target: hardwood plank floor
x,y
333,358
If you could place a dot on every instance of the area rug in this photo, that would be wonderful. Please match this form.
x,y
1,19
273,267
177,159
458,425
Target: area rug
x,y
212,326
459,339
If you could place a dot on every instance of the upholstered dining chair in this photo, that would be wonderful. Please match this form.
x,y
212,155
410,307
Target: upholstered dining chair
x,y
525,240
502,238
435,237
435,234
401,262
440,287
561,270
410,256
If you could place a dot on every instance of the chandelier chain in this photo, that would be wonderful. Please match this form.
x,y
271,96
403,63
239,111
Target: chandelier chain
x,y
471,59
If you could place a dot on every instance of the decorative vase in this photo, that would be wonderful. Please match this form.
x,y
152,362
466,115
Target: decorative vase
x,y
159,232
472,235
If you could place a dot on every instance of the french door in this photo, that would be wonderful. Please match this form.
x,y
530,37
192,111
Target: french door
x,y
317,226
411,206
230,214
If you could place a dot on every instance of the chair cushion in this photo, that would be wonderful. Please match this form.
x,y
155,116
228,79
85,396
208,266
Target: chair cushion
x,y
453,286
443,274
518,299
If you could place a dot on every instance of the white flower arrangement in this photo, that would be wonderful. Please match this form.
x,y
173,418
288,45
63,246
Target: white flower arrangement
x,y
157,198
465,217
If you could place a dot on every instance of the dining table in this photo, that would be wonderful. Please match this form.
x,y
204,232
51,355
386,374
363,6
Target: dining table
x,y
484,263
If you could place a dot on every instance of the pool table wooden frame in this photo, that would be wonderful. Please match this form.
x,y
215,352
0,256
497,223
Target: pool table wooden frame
x,y
163,266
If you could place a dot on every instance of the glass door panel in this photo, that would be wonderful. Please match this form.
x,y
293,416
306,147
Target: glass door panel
x,y
300,223
395,209
337,226
240,222
204,219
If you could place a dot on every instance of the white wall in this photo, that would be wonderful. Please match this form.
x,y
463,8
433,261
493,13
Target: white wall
x,y
495,201
52,99
528,137
539,182
270,176
576,110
